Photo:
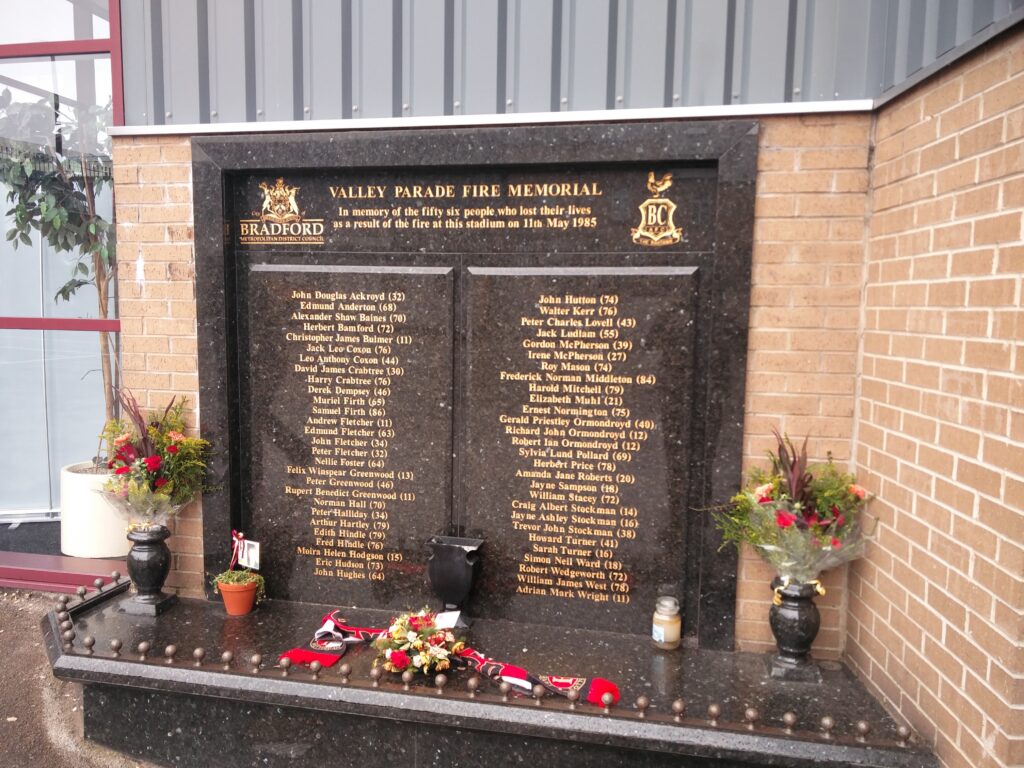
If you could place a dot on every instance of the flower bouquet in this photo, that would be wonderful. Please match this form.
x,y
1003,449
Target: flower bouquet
x,y
801,518
157,469
414,641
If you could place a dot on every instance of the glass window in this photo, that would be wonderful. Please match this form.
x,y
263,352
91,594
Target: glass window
x,y
54,112
48,20
24,469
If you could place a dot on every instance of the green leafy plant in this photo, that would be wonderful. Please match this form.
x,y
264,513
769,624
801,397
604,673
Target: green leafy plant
x,y
52,184
801,518
156,468
244,576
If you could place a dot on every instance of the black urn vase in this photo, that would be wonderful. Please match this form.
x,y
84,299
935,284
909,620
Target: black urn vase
x,y
795,621
149,562
452,568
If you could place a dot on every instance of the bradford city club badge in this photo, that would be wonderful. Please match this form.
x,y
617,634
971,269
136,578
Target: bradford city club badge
x,y
657,226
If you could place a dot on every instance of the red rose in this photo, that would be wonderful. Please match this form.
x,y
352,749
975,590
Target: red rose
x,y
172,449
784,519
160,482
812,518
122,470
400,660
836,543
153,463
840,521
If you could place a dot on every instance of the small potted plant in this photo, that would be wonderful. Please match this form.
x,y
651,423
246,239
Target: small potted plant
x,y
802,519
242,589
156,470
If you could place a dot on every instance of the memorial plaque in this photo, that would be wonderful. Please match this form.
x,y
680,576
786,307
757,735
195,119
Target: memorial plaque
x,y
568,309
348,415
579,400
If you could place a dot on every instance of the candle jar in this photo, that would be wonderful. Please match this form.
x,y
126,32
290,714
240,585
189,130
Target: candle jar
x,y
667,626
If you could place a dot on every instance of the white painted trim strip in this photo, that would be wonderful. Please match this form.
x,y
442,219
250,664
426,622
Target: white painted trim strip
x,y
531,118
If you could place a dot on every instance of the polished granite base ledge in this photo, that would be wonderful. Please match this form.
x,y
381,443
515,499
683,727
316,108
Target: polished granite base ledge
x,y
184,710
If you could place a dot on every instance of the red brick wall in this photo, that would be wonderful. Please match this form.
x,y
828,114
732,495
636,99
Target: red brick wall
x,y
935,621
808,268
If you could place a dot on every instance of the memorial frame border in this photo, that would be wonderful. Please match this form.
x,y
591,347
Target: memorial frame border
x,y
728,145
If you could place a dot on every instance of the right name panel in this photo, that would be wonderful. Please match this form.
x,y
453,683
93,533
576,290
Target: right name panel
x,y
579,398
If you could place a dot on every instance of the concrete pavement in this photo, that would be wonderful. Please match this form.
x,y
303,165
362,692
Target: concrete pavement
x,y
40,716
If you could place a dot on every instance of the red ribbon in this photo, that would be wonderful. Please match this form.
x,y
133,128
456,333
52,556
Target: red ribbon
x,y
236,545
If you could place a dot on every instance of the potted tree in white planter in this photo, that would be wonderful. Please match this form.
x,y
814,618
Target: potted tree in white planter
x,y
52,184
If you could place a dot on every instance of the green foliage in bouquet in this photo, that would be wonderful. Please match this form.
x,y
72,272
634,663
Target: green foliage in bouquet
x,y
801,518
157,469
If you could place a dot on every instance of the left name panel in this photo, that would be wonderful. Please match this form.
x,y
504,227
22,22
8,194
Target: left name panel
x,y
348,428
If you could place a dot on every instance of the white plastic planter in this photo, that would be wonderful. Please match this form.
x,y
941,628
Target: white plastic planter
x,y
89,525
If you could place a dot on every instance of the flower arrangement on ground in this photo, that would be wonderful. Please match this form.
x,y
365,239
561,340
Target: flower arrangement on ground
x,y
413,641
156,468
801,518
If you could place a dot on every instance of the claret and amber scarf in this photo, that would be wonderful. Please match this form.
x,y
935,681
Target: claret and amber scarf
x,y
330,642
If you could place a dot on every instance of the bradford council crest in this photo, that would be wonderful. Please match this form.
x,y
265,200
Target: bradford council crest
x,y
657,226
279,204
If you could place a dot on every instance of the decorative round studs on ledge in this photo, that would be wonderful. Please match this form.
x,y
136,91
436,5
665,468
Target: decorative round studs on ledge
x,y
375,674
607,700
642,703
863,730
714,712
226,658
440,681
472,685
143,649
827,724
81,592
345,670
66,625
69,639
314,669
98,583
678,710
256,660
88,641
538,694
63,600
63,616
407,677
506,688
116,576
573,697
904,735
199,654
169,652
285,665
115,648
751,716
789,722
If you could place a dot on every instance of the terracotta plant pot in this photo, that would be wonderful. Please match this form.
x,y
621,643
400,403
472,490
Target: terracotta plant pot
x,y
239,599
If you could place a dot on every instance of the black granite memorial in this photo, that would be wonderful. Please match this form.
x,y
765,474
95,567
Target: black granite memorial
x,y
532,336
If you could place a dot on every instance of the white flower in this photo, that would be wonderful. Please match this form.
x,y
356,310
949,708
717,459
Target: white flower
x,y
412,637
417,661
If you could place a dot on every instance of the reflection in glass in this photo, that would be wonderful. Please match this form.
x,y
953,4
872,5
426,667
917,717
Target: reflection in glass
x,y
47,20
74,400
55,168
24,473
